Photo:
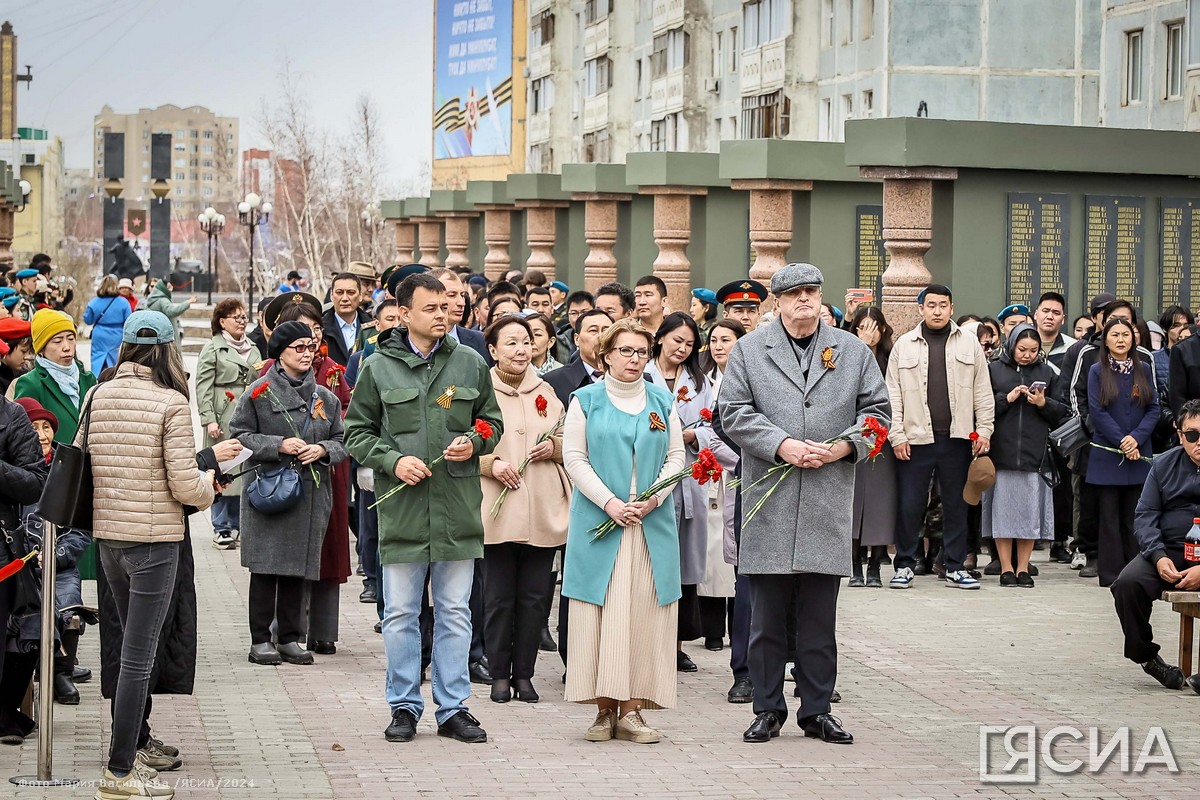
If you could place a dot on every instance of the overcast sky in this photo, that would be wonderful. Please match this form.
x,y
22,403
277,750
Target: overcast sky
x,y
226,55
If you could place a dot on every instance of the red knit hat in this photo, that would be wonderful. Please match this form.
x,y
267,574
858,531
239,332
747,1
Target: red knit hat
x,y
12,329
35,411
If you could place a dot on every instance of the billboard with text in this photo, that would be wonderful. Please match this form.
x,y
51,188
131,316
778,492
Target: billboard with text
x,y
473,79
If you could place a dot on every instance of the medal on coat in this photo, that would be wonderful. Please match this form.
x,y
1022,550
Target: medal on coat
x,y
656,422
827,358
443,399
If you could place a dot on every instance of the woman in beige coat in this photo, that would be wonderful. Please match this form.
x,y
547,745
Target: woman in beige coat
x,y
521,537
137,426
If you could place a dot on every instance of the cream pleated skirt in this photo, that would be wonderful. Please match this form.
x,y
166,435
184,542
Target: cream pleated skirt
x,y
624,649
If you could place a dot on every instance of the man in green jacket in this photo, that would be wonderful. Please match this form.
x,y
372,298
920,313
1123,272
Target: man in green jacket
x,y
417,398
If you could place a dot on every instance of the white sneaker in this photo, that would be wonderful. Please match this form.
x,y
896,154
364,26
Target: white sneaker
x,y
1079,560
140,782
632,728
902,579
224,540
961,580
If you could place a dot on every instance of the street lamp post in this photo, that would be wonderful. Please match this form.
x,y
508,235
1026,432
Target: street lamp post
x,y
212,223
252,212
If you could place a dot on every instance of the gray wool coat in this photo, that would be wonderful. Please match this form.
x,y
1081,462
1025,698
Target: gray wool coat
x,y
289,543
805,525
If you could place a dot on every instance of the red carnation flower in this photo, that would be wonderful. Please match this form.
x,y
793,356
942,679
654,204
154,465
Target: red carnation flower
x,y
974,437
706,414
259,390
698,471
540,404
229,395
483,429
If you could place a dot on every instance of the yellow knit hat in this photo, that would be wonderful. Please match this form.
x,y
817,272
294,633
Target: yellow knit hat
x,y
46,324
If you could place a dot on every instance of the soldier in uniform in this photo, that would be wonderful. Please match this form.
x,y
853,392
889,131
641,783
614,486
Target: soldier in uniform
x,y
26,288
743,301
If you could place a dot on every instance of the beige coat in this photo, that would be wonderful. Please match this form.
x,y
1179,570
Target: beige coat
x,y
972,406
143,459
537,512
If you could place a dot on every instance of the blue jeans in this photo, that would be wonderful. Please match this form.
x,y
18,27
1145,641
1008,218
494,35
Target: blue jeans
x,y
226,513
368,537
450,587
142,581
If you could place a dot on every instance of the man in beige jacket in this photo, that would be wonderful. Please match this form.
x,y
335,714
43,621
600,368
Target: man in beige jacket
x,y
941,395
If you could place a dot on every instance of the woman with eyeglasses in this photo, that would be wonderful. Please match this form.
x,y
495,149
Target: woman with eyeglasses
x,y
324,593
675,366
1122,412
225,367
286,417
621,436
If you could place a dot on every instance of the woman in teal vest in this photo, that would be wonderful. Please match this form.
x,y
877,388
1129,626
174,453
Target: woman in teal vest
x,y
621,436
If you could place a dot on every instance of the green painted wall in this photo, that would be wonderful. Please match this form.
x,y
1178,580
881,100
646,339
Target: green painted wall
x,y
642,251
570,269
719,250
832,231
518,250
477,250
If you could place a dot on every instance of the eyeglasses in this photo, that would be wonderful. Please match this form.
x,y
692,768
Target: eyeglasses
x,y
303,348
239,318
1191,437
628,352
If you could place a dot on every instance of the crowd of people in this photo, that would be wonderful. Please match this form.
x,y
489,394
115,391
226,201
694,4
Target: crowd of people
x,y
478,443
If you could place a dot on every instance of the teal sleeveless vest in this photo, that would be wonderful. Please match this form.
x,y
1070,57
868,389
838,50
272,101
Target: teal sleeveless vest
x,y
613,440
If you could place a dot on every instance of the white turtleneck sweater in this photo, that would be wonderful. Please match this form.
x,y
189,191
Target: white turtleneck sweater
x,y
630,398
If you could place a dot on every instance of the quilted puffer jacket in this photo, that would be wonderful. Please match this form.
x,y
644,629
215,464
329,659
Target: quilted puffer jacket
x,y
143,459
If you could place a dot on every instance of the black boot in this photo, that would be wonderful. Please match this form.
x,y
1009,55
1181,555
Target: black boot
x,y
856,574
873,579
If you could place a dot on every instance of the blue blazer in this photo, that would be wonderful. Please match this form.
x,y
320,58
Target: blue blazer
x,y
1111,424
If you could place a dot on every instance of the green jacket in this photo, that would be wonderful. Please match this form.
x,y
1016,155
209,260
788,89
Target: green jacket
x,y
38,384
394,413
160,300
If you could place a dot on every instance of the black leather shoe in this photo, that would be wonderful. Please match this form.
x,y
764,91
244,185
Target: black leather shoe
x,y
368,595
81,675
403,727
742,691
1168,675
479,673
874,581
525,692
379,627
1194,683
683,663
323,648
714,643
65,692
826,728
501,691
1060,553
264,654
764,728
547,643
293,653
463,727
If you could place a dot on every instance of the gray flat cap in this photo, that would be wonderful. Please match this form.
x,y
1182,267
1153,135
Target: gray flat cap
x,y
793,276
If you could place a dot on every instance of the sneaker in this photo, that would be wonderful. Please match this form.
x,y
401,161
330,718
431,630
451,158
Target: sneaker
x,y
1060,554
1168,675
157,744
1024,580
961,579
902,579
140,782
602,728
1078,560
224,540
158,761
632,728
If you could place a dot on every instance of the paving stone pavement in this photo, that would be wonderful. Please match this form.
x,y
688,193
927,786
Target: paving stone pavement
x,y
920,672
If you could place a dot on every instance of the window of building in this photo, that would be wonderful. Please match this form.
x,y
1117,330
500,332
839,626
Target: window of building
x,y
180,134
595,147
179,191
541,158
541,29
99,162
766,116
826,23
195,176
597,76
208,192
847,107
596,10
180,147
868,102
765,21
541,95
145,148
195,134
1133,67
825,120
208,148
100,134
1174,70
179,176
208,162
658,56
208,177
229,137
195,148
1193,32
145,163
734,49
229,151
866,24
679,50
181,162
718,57
208,134
195,162
846,21
637,87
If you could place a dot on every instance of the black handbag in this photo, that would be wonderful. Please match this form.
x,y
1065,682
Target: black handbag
x,y
1048,470
67,496
1069,437
279,489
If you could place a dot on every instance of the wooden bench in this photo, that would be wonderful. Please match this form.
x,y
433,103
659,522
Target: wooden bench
x,y
1187,606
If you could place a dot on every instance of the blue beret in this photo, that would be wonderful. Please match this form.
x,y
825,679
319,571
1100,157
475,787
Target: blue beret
x,y
1015,309
562,287
27,273
7,291
705,296
11,302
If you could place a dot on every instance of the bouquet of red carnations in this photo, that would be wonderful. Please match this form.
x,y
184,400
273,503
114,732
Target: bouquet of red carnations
x,y
481,431
704,469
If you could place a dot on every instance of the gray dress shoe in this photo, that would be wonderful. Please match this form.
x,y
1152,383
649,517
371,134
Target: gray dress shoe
x,y
264,653
294,653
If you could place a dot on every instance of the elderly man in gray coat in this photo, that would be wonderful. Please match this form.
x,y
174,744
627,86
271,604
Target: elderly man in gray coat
x,y
790,386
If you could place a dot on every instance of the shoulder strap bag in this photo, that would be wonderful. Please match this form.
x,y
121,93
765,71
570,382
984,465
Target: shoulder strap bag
x,y
67,497
1069,437
278,490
